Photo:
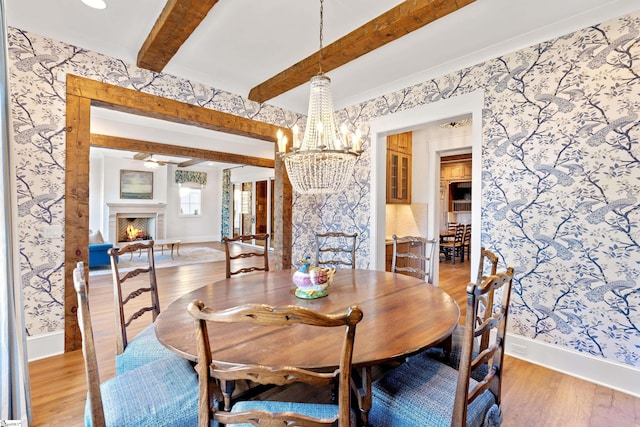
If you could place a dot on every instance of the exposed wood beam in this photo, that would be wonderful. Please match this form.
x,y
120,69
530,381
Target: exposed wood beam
x,y
408,16
176,22
129,144
78,135
144,104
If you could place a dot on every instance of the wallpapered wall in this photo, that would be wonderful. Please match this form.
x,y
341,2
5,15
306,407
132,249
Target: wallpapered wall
x,y
561,174
37,67
560,183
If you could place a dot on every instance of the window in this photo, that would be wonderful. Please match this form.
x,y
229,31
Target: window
x,y
190,199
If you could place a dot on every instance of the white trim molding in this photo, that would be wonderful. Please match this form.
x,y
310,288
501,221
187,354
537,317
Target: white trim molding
x,y
596,370
45,345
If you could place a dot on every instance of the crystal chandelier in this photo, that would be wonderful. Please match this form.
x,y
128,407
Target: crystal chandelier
x,y
322,161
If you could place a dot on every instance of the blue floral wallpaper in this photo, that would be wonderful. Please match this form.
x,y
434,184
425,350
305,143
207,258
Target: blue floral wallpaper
x,y
37,78
560,183
560,175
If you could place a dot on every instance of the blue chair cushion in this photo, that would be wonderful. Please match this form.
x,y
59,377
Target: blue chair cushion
x,y
142,349
455,355
421,392
161,393
311,409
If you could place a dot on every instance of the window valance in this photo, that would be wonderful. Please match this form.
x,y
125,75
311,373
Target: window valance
x,y
183,176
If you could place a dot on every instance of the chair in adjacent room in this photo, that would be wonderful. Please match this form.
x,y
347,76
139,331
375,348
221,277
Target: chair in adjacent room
x,y
453,248
426,392
466,241
417,260
258,412
336,249
260,240
133,351
160,393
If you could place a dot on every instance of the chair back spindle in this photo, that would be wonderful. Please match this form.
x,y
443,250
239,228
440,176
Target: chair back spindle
x,y
332,248
260,240
493,354
417,261
127,288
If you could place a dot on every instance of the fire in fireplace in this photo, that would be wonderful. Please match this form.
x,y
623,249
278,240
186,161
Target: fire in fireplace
x,y
134,229
134,234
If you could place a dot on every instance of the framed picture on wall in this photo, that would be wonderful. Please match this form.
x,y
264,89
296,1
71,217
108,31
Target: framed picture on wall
x,y
136,184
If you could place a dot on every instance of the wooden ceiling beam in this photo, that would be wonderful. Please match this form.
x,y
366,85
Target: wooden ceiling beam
x,y
130,144
144,104
406,17
177,21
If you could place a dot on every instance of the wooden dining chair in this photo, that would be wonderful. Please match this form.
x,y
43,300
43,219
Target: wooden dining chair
x,y
426,392
452,354
453,248
130,286
336,249
261,240
160,393
416,260
257,412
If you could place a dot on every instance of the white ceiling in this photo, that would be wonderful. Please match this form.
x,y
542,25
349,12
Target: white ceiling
x,y
242,43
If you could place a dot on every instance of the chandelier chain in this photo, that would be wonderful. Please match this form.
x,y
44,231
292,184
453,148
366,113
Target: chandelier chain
x,y
321,25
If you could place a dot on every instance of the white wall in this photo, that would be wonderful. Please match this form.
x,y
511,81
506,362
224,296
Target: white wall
x,y
203,228
104,187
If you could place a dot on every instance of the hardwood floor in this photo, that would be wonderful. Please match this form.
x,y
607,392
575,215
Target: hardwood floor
x,y
532,395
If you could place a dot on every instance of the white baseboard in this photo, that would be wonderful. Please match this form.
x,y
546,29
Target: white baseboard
x,y
614,375
45,345
199,239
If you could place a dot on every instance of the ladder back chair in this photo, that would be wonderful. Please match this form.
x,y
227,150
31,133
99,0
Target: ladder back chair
x,y
453,248
260,239
418,260
451,351
273,413
426,392
466,241
129,289
160,393
340,248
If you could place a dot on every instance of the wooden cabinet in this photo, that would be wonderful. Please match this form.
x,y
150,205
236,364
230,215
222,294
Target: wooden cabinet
x,y
458,171
455,183
399,168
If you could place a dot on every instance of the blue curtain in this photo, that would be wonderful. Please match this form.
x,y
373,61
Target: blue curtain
x,y
14,390
226,204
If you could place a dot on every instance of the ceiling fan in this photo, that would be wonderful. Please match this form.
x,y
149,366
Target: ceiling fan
x,y
150,162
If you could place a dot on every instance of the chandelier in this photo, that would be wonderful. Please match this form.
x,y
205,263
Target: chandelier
x,y
321,161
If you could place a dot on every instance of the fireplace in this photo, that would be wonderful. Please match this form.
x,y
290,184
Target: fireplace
x,y
147,219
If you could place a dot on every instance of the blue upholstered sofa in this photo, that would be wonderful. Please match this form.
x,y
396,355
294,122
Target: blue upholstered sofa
x,y
98,254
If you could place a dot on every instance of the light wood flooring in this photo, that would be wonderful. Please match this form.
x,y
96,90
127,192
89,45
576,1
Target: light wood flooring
x,y
532,395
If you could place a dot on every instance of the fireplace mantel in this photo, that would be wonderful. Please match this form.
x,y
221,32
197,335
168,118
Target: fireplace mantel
x,y
130,210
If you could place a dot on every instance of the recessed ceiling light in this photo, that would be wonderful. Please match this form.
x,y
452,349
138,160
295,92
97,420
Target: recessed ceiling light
x,y
96,4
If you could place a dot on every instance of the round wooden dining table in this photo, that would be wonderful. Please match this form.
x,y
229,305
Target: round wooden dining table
x,y
402,315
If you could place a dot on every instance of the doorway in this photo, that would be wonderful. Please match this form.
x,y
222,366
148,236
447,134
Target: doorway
x,y
252,208
414,119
